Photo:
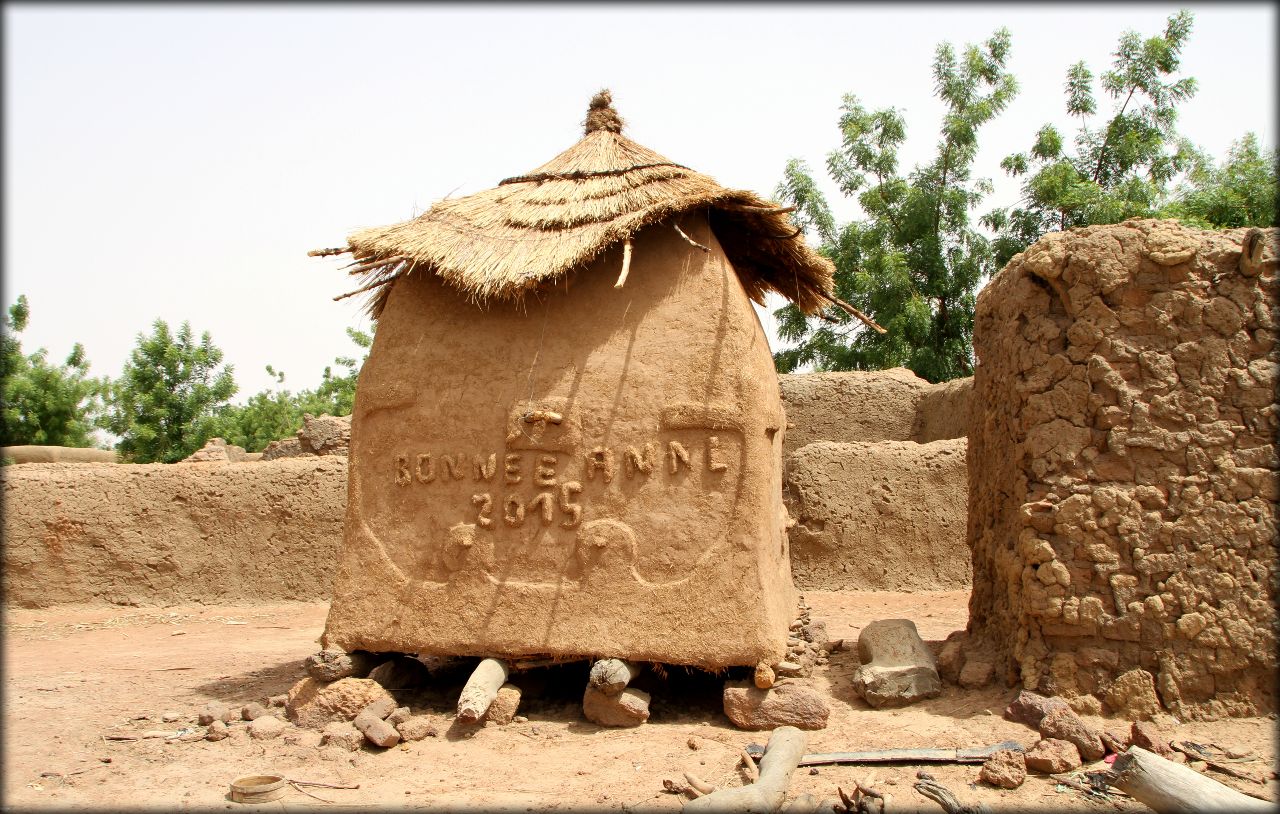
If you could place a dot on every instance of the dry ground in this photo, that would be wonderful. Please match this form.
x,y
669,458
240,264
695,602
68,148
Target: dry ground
x,y
75,675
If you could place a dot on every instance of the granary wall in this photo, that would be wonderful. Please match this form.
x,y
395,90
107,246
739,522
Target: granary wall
x,y
1123,466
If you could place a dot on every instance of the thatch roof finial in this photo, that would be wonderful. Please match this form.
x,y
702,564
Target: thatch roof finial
x,y
601,115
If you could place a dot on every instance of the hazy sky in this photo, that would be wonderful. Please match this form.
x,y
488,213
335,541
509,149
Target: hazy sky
x,y
179,161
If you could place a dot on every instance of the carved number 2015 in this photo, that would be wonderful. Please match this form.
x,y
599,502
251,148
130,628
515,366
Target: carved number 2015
x,y
544,505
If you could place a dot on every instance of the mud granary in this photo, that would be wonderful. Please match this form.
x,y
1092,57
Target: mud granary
x,y
567,436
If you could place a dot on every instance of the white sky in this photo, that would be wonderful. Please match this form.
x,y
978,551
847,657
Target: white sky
x,y
179,161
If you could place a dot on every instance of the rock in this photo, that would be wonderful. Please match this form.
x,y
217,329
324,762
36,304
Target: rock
x,y
897,668
785,704
399,715
1086,704
325,434
1133,695
764,676
504,705
266,727
400,673
170,717
217,731
332,665
342,734
1005,769
951,658
416,728
1146,735
1053,756
216,711
1115,741
278,700
252,711
815,632
1063,724
520,719
380,707
1029,708
378,731
976,673
284,448
313,703
628,708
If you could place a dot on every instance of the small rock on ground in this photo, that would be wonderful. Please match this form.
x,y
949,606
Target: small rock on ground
x,y
1063,724
504,705
376,730
380,707
1053,756
628,708
252,711
267,727
217,711
976,673
332,665
217,731
416,728
399,715
1005,769
1149,737
1029,708
313,703
785,704
342,734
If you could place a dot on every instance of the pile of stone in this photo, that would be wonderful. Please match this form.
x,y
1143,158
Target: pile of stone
x,y
1066,741
320,435
778,694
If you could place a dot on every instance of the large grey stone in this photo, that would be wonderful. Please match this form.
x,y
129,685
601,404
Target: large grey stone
x,y
897,668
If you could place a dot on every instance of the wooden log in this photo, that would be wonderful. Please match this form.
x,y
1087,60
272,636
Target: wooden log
x,y
611,676
765,796
1170,788
481,688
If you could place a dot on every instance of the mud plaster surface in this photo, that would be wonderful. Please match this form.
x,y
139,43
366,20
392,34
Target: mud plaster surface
x,y
1123,470
646,524
879,516
75,674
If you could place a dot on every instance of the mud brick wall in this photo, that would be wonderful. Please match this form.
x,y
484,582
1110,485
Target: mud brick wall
x,y
875,480
160,534
1123,466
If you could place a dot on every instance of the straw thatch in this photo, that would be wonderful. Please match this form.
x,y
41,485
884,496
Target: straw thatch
x,y
531,230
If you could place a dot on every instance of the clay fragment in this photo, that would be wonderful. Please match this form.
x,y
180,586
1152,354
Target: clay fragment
x,y
416,728
332,665
1063,724
342,734
504,706
378,731
1029,708
312,703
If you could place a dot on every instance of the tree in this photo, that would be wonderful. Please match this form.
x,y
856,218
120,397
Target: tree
x,y
269,415
1118,170
164,403
44,403
1242,192
913,262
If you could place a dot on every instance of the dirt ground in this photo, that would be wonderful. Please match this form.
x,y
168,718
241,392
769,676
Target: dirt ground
x,y
74,677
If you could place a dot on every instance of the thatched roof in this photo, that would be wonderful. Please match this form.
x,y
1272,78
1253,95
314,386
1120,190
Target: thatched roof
x,y
533,229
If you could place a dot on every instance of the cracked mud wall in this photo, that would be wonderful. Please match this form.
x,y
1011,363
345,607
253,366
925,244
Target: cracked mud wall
x,y
1123,466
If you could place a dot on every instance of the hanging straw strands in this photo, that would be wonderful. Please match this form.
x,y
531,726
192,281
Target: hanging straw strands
x,y
533,229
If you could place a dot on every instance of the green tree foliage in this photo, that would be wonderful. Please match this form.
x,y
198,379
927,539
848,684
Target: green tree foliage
x,y
163,406
913,262
270,415
44,403
1241,192
1116,170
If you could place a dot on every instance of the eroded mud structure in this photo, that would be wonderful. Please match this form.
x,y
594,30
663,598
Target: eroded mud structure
x,y
1123,467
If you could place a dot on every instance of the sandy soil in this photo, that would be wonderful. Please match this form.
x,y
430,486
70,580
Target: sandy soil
x,y
75,676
